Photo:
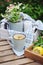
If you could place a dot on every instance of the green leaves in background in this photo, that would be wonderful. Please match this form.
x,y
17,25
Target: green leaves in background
x,y
34,8
39,41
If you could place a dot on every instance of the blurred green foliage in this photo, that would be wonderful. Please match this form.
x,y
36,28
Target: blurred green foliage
x,y
34,8
3,5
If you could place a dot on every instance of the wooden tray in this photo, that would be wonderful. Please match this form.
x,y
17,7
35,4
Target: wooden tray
x,y
30,54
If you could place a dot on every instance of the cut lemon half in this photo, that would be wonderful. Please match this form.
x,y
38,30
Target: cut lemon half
x,y
38,50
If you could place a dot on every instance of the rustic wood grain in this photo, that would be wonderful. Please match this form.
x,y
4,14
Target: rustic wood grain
x,y
18,62
7,57
3,42
6,52
2,48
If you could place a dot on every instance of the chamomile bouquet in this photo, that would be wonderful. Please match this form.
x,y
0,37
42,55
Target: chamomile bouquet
x,y
12,13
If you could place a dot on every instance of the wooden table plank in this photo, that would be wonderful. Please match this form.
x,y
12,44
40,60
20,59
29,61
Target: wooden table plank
x,y
3,43
18,62
9,58
6,47
6,52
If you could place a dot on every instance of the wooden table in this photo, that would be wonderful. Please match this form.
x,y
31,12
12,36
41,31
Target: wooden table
x,y
7,57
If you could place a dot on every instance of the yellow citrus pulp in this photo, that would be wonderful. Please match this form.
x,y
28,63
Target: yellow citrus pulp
x,y
38,50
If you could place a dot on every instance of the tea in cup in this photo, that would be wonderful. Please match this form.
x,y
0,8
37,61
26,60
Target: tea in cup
x,y
19,41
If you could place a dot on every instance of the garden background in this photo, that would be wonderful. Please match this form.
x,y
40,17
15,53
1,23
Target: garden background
x,y
34,8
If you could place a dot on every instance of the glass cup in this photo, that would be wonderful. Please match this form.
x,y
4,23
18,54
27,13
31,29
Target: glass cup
x,y
19,40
